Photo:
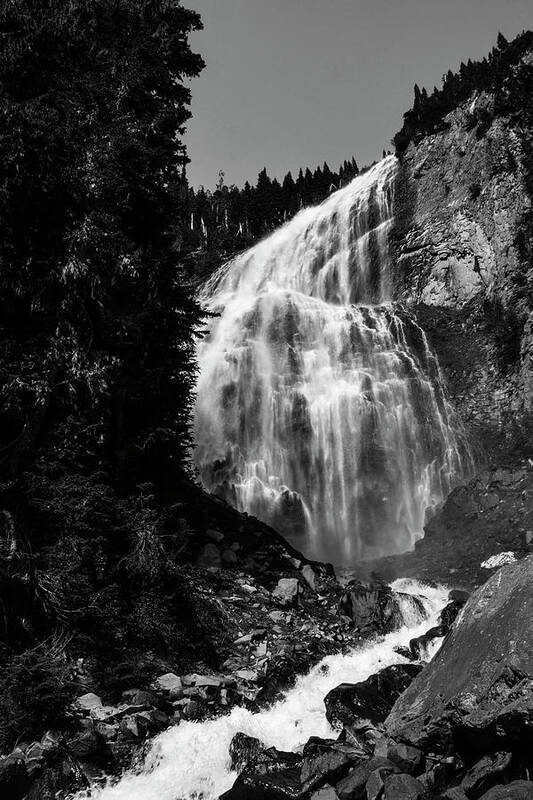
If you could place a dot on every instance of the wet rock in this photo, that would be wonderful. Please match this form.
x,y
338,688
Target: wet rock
x,y
326,760
274,775
352,787
516,790
371,699
376,608
477,694
287,591
420,647
403,787
275,778
487,772
244,751
449,614
459,596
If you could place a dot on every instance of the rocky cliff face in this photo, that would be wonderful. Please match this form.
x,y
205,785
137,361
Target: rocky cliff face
x,y
476,694
463,252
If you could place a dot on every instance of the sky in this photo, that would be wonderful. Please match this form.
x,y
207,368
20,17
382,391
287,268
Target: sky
x,y
292,83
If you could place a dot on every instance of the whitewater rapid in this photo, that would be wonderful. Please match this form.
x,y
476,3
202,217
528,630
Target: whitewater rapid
x,y
191,760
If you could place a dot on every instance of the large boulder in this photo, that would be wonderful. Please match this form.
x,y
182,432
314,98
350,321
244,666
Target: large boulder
x,y
376,608
371,699
276,775
477,693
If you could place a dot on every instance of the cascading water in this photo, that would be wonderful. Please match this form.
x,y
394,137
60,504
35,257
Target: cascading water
x,y
320,407
191,761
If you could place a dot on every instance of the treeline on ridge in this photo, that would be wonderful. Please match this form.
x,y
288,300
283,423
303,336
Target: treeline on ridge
x,y
229,219
492,73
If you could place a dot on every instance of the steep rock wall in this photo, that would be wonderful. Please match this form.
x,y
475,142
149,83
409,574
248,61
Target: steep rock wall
x,y
462,245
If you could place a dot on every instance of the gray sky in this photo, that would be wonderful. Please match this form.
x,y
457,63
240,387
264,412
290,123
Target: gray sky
x,y
292,83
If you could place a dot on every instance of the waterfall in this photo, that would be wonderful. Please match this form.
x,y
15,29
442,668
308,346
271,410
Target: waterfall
x,y
191,760
320,405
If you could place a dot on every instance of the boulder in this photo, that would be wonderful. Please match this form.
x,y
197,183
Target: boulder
x,y
403,787
371,699
477,693
516,790
245,750
408,759
420,647
308,574
170,685
485,773
376,608
376,782
88,701
326,793
352,787
286,592
326,760
274,775
277,777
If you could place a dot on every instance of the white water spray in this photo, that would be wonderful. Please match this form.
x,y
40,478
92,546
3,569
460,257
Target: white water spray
x,y
191,760
320,405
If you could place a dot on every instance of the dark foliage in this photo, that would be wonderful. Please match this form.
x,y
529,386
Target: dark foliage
x,y
97,330
500,72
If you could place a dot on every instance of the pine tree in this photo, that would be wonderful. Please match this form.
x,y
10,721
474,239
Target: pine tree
x,y
97,319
